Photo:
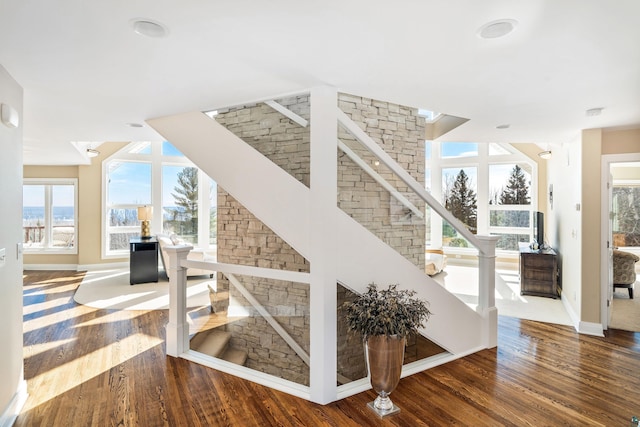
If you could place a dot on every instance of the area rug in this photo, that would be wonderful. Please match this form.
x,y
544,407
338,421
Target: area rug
x,y
625,312
111,289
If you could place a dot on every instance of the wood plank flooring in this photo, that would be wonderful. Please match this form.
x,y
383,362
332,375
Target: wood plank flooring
x,y
89,367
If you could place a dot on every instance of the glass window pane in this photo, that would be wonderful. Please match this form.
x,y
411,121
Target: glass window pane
x,y
120,241
213,213
122,217
459,149
33,214
498,150
626,209
510,184
509,218
460,198
129,183
180,202
509,242
169,150
63,227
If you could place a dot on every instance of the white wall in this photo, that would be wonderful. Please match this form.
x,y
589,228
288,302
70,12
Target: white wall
x,y
12,386
563,224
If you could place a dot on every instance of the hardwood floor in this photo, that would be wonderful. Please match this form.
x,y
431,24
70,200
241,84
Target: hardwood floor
x,y
89,367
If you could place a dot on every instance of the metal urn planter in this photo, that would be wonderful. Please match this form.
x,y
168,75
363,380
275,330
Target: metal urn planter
x,y
385,356
384,318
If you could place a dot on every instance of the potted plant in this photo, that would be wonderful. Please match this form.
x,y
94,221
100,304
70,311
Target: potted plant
x,y
384,318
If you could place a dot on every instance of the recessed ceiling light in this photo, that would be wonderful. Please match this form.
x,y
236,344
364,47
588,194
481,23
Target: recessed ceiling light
x,y
505,126
496,29
149,27
545,154
134,125
594,111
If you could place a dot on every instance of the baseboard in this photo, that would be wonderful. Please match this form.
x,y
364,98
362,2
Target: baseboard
x,y
54,267
8,417
587,328
105,266
76,267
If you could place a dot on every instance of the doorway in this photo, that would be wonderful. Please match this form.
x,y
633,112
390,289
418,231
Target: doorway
x,y
620,231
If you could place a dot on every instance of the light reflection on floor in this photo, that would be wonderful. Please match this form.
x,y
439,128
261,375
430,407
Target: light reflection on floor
x,y
463,282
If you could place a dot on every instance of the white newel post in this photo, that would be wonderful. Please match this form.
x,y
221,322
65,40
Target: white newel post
x,y
487,292
323,298
178,327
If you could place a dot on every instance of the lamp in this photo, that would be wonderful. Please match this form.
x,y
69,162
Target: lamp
x,y
144,215
545,154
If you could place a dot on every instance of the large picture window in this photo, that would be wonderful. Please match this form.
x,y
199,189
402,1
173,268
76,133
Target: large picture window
x,y
158,175
49,215
490,188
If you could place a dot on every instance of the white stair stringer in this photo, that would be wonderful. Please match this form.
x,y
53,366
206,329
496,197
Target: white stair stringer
x,y
282,203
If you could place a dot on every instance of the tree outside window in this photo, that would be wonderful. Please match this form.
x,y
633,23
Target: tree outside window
x,y
461,200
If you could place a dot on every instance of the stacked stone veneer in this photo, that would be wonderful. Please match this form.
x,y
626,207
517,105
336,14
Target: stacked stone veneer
x,y
400,132
245,240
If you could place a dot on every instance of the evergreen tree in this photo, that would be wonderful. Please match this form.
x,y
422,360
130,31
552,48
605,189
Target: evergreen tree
x,y
517,191
462,202
186,196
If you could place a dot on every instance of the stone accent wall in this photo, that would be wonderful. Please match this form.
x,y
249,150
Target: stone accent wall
x,y
243,239
351,363
400,132
275,136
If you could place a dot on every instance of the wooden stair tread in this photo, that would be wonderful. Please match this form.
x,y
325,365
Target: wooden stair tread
x,y
212,342
233,355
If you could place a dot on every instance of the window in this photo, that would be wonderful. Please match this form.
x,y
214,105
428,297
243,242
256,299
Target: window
x,y
158,175
49,215
626,214
491,188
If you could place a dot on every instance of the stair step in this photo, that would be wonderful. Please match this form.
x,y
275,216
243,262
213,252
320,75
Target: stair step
x,y
213,342
233,355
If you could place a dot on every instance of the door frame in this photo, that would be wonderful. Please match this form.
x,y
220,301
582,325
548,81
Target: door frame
x,y
605,208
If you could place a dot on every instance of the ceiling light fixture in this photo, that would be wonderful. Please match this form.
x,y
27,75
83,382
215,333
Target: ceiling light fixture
x,y
497,29
545,154
149,28
134,125
592,112
92,152
505,126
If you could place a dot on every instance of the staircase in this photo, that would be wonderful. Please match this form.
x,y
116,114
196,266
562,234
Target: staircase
x,y
351,255
216,343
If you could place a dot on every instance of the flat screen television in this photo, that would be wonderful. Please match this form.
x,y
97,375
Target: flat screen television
x,y
538,228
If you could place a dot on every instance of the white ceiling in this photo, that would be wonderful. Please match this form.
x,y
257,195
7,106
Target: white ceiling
x,y
85,73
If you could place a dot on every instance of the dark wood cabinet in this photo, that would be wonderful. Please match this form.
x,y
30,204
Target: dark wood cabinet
x,y
538,272
143,260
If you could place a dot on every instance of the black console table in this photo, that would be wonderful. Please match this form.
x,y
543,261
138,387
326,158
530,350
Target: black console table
x,y
143,260
538,272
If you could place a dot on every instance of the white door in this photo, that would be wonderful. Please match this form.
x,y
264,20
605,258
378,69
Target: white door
x,y
610,248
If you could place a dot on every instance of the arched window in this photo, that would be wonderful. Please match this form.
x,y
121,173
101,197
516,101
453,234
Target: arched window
x,y
156,174
491,188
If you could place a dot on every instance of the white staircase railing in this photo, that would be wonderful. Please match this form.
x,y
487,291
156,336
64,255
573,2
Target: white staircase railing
x,y
284,205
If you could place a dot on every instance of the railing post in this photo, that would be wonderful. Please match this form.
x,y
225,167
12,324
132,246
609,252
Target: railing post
x,y
487,290
178,327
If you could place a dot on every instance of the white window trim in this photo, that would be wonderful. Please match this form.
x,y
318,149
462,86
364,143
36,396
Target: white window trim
x,y
482,162
157,161
50,182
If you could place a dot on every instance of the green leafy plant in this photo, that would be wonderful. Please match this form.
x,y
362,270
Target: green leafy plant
x,y
387,312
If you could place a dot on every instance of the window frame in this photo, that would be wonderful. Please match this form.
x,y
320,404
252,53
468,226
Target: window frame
x,y
48,216
135,152
436,163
